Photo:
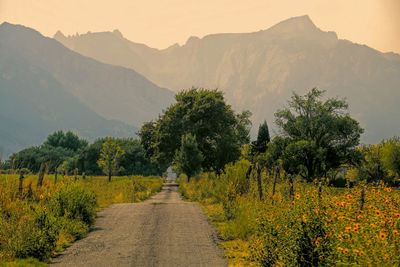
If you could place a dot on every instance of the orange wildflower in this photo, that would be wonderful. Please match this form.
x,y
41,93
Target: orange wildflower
x,y
382,235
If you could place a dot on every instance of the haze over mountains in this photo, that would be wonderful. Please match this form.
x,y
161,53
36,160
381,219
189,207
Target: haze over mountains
x,y
46,87
258,71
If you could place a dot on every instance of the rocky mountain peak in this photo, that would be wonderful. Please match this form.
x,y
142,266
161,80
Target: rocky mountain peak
x,y
59,35
117,33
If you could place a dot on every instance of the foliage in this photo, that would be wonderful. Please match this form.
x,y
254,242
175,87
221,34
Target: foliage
x,y
371,166
391,156
110,155
259,146
45,219
31,158
319,136
188,158
66,152
379,162
320,226
66,140
219,132
134,161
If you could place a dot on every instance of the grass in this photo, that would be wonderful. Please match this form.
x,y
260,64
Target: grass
x,y
42,221
306,229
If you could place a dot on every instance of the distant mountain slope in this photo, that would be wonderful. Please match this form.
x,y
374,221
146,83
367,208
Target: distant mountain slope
x,y
33,104
259,71
113,92
46,87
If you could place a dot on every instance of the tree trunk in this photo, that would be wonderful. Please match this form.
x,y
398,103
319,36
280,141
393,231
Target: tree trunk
x,y
249,172
274,184
188,178
109,176
76,174
259,184
41,175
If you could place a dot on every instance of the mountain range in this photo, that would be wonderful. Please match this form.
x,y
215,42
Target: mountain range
x,y
45,87
102,84
260,70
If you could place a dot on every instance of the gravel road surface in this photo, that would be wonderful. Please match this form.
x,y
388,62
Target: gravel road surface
x,y
161,231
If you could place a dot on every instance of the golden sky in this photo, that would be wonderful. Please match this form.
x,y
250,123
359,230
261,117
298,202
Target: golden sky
x,y
161,23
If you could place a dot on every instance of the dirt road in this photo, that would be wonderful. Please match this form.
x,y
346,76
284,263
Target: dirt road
x,y
162,231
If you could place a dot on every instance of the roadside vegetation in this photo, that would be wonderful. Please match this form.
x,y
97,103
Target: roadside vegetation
x,y
310,196
299,224
43,213
36,222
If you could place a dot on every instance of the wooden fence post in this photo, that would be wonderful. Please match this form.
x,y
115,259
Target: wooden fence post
x,y
276,174
259,183
20,186
41,175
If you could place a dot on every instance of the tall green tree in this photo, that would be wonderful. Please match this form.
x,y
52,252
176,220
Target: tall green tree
x,y
188,158
110,155
259,146
219,132
320,134
67,140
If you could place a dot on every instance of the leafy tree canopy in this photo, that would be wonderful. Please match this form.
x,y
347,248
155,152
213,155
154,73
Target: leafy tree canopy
x,y
110,155
219,132
188,158
67,140
316,135
259,146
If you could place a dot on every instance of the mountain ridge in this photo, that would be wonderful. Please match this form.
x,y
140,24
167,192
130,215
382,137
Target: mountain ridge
x,y
259,70
45,87
81,75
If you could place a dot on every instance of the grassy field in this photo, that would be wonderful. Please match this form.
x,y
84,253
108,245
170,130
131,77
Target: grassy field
x,y
41,221
315,225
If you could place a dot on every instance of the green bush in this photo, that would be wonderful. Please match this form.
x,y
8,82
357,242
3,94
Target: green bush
x,y
35,236
138,184
42,239
75,228
75,203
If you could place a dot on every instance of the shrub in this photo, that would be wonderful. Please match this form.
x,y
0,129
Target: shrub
x,y
314,228
75,203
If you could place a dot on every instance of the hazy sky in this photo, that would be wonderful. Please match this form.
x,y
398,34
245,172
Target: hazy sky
x,y
161,23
